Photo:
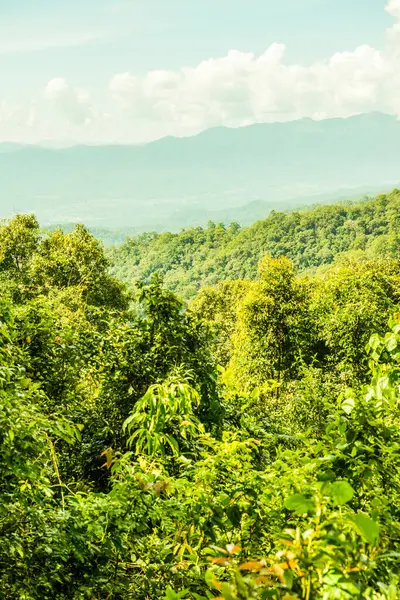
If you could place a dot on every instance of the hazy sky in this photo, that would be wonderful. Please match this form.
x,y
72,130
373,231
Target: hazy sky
x,y
134,70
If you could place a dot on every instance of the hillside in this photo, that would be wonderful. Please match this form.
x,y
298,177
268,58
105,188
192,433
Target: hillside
x,y
222,174
197,257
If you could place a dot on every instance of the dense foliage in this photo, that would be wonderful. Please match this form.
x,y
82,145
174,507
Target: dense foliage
x,y
244,446
197,257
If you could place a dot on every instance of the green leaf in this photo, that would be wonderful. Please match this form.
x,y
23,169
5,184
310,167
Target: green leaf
x,y
367,528
341,492
227,592
374,341
349,587
288,577
391,343
170,594
173,444
348,405
299,504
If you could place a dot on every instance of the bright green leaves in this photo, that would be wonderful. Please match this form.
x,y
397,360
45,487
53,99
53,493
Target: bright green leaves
x,y
348,405
384,354
391,343
300,504
161,417
170,594
228,592
272,328
19,239
147,525
367,528
341,492
72,265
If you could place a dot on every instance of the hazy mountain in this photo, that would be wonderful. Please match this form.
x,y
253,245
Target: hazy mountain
x,y
222,174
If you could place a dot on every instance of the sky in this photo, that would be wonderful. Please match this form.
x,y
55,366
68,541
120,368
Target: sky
x,y
130,71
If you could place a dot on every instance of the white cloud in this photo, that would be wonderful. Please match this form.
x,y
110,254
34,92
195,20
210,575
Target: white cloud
x,y
234,90
73,103
393,8
242,88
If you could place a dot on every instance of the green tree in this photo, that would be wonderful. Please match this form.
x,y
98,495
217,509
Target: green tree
x,y
76,262
351,301
273,328
19,239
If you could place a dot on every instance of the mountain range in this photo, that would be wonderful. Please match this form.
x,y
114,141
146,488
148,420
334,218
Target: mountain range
x,y
221,174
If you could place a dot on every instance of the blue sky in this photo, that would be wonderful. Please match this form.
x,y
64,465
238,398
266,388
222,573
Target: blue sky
x,y
83,45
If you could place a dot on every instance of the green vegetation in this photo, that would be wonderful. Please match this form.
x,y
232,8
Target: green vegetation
x,y
245,446
200,257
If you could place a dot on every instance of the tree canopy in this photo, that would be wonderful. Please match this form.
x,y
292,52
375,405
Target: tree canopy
x,y
199,257
244,445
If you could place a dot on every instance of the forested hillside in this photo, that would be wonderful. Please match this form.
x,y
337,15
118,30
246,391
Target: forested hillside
x,y
198,257
243,447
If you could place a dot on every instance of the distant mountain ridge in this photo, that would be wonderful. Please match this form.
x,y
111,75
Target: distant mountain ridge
x,y
177,182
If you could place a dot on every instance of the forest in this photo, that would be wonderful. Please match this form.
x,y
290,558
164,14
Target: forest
x,y
212,414
199,257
